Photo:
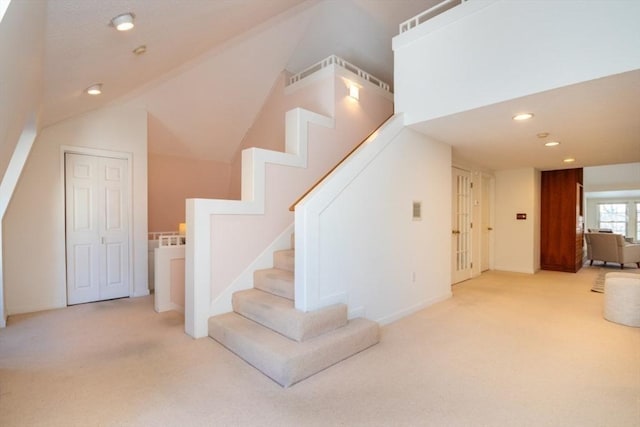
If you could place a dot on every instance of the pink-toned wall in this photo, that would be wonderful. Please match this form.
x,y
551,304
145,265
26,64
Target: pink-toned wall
x,y
267,130
172,180
238,239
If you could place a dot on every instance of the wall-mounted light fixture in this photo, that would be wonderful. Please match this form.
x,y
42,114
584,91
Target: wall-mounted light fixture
x,y
354,92
95,89
123,22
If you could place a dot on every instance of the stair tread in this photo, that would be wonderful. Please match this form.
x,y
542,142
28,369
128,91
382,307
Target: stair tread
x,y
275,281
287,361
280,315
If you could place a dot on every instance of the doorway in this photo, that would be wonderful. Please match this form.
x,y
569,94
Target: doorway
x,y
461,226
97,210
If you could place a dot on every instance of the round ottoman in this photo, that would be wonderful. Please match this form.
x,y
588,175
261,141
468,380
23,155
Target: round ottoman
x,y
622,298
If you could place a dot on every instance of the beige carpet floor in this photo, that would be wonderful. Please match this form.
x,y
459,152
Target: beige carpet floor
x,y
507,350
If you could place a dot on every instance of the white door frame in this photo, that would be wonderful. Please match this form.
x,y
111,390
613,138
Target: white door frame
x,y
64,149
490,200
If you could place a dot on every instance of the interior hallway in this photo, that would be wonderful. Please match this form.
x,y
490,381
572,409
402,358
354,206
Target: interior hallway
x,y
508,350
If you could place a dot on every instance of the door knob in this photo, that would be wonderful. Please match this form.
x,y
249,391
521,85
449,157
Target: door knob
x,y
490,228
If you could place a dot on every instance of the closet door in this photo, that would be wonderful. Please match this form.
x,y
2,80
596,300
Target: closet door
x,y
97,236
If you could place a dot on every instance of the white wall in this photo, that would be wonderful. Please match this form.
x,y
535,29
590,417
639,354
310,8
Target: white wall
x,y
21,76
462,60
517,242
34,237
612,177
21,81
369,247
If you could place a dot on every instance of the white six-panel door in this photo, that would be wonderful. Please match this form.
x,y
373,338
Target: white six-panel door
x,y
97,228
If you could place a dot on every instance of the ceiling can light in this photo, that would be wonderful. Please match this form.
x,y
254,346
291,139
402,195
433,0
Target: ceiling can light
x,y
552,143
95,89
123,22
569,160
522,116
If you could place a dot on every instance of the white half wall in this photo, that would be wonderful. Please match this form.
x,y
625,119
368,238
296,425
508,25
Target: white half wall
x,y
517,242
487,51
34,225
360,245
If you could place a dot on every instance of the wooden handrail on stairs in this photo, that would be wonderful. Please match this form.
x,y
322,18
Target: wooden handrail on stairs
x,y
292,208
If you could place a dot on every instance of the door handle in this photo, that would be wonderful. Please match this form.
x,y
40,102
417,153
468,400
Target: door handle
x,y
455,231
490,228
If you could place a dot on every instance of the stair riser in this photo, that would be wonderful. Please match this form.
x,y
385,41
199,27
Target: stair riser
x,y
279,315
284,260
286,362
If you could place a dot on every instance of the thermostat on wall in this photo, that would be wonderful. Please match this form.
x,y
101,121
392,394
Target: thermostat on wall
x,y
521,216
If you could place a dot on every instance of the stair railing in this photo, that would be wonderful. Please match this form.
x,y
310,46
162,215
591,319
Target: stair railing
x,y
292,208
429,13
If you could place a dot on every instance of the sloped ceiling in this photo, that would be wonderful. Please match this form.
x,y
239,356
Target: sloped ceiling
x,y
209,64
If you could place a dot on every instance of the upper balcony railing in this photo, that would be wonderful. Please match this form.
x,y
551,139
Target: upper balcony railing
x,y
429,13
336,60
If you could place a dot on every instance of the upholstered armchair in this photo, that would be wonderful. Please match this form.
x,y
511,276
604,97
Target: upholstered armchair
x,y
608,247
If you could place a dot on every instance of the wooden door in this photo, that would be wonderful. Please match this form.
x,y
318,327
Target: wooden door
x,y
97,228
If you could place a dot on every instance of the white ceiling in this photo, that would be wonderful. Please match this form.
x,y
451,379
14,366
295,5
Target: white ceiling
x,y
595,121
81,48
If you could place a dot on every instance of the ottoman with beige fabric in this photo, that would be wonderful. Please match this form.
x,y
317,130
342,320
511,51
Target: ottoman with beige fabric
x,y
622,298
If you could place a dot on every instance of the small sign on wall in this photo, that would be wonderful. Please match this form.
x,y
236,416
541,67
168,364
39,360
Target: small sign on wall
x,y
521,216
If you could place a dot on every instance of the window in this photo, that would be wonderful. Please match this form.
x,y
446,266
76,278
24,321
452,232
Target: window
x,y
613,216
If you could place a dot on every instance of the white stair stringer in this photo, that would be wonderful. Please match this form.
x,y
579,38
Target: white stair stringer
x,y
198,262
309,292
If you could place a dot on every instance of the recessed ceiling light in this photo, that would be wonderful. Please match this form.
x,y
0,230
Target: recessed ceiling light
x,y
522,116
542,134
123,22
551,143
569,160
95,89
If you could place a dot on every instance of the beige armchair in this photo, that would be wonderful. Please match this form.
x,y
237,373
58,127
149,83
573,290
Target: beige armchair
x,y
608,247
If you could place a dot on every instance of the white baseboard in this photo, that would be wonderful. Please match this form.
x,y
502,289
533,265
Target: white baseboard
x,y
385,320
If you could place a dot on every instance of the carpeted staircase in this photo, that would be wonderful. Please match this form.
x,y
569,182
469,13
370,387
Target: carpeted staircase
x,y
286,344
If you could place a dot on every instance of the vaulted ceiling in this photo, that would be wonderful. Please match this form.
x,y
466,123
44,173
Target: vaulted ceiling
x,y
209,64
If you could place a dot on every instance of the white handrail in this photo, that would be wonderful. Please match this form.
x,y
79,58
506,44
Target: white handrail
x,y
336,60
428,14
